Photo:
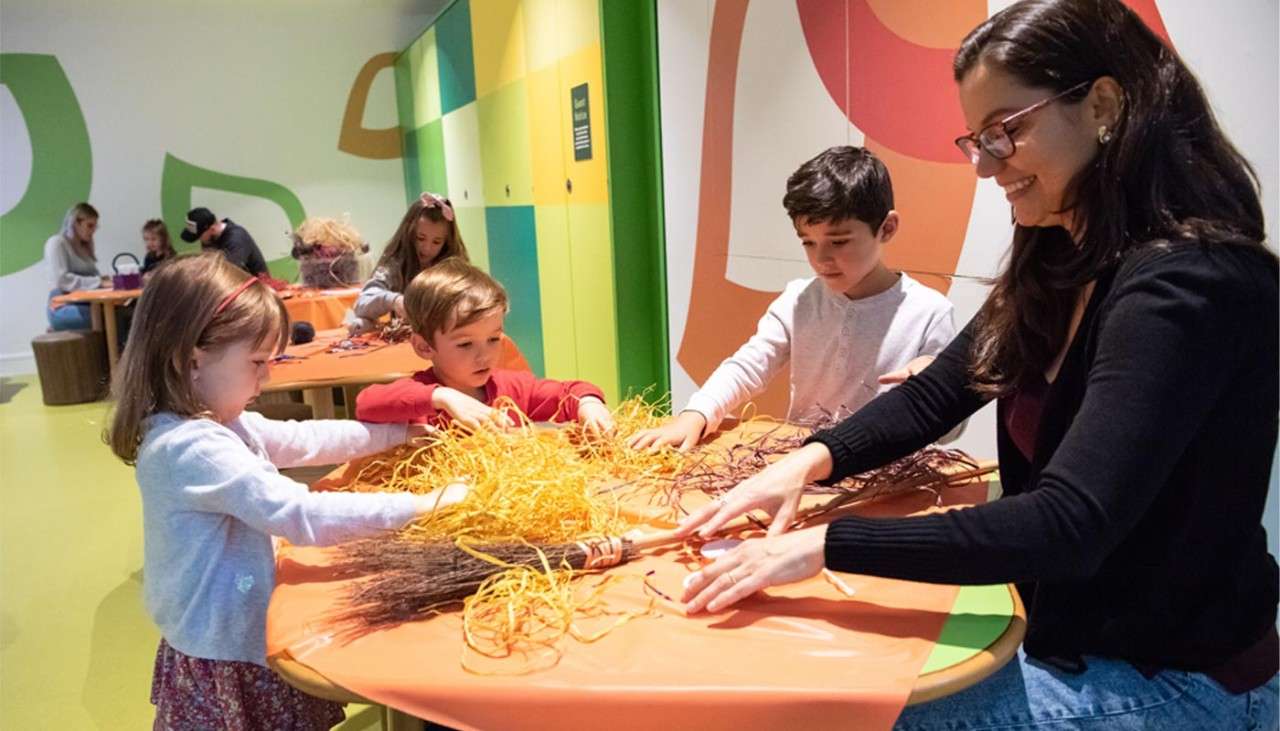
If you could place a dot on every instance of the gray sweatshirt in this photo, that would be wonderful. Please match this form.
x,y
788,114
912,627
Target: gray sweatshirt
x,y
69,269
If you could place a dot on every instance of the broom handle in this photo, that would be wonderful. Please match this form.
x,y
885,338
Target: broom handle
x,y
667,537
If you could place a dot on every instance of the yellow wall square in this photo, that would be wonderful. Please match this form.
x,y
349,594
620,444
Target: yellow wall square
x,y
579,22
555,286
594,304
542,30
546,129
590,177
497,43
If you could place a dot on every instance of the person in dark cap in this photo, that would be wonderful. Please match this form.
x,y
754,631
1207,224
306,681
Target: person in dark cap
x,y
226,236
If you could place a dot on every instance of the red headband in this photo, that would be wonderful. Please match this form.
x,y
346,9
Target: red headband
x,y
226,301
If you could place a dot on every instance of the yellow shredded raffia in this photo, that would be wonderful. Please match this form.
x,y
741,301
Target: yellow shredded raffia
x,y
540,485
525,611
536,484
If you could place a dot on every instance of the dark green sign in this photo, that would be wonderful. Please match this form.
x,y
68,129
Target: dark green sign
x,y
581,122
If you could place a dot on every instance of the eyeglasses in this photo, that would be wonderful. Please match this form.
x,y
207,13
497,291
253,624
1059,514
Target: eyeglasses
x,y
995,139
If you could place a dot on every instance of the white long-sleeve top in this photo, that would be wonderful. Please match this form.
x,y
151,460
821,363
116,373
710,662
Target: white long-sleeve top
x,y
211,500
837,348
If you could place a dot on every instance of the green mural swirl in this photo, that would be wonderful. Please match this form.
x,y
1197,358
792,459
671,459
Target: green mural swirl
x,y
61,160
180,177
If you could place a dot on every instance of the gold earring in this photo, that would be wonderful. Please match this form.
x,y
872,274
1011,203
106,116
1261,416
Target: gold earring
x,y
1104,135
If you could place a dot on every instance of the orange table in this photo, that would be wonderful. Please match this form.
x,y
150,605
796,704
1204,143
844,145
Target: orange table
x,y
323,308
102,311
803,656
316,372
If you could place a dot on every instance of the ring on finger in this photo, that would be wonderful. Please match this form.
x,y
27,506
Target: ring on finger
x,y
732,579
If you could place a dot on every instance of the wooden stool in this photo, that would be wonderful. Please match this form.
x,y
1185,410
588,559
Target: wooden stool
x,y
72,366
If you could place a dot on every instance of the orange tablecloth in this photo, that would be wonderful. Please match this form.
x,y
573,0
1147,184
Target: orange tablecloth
x,y
803,656
96,295
323,308
376,364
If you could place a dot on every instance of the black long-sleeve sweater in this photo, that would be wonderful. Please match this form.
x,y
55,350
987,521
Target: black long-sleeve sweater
x,y
1136,531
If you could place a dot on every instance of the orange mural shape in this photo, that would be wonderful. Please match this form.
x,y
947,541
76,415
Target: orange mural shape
x,y
900,94
355,138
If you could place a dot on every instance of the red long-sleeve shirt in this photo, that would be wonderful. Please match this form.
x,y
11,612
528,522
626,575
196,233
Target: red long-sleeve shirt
x,y
409,399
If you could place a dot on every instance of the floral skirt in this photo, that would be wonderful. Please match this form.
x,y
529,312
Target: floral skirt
x,y
192,694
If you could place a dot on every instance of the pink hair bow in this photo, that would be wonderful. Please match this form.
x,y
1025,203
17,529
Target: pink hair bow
x,y
431,200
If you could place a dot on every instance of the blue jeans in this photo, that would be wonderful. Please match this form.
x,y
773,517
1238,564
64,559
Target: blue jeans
x,y
68,317
1111,694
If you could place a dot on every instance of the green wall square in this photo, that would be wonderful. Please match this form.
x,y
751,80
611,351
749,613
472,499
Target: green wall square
x,y
513,260
504,146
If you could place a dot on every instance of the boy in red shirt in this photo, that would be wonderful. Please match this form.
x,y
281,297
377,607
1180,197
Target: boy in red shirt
x,y
456,312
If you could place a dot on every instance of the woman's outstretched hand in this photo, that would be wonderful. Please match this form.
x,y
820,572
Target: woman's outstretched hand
x,y
776,490
754,565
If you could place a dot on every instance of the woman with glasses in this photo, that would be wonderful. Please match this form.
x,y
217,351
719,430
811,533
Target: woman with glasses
x,y
1131,342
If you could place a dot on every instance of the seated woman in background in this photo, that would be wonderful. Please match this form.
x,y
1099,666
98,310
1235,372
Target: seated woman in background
x,y
73,266
155,236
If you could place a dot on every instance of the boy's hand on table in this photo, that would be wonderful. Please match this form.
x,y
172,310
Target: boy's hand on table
x,y
682,432
469,412
595,417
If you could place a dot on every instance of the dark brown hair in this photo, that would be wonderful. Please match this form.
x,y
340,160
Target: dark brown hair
x,y
401,254
450,295
161,231
1168,173
177,313
840,183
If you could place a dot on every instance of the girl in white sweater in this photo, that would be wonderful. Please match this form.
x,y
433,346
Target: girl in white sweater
x,y
212,497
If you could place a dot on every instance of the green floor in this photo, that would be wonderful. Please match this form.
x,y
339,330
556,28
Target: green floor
x,y
76,645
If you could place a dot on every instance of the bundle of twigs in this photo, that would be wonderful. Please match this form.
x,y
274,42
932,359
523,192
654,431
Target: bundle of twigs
x,y
413,579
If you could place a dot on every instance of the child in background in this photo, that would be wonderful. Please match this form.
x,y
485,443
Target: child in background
x,y
841,329
456,312
428,234
212,497
155,237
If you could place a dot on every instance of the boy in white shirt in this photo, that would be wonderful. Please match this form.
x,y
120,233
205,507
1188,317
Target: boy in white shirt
x,y
849,331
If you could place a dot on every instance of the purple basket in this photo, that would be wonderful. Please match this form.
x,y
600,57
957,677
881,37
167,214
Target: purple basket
x,y
133,280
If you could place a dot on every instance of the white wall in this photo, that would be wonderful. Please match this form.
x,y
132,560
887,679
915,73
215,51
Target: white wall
x,y
244,88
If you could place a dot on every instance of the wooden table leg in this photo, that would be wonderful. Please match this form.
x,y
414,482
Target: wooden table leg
x,y
393,720
349,394
113,347
320,400
95,316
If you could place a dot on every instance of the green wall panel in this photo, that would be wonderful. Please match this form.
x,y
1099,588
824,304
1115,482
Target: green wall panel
x,y
594,310
555,283
432,172
504,146
513,260
475,232
453,51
